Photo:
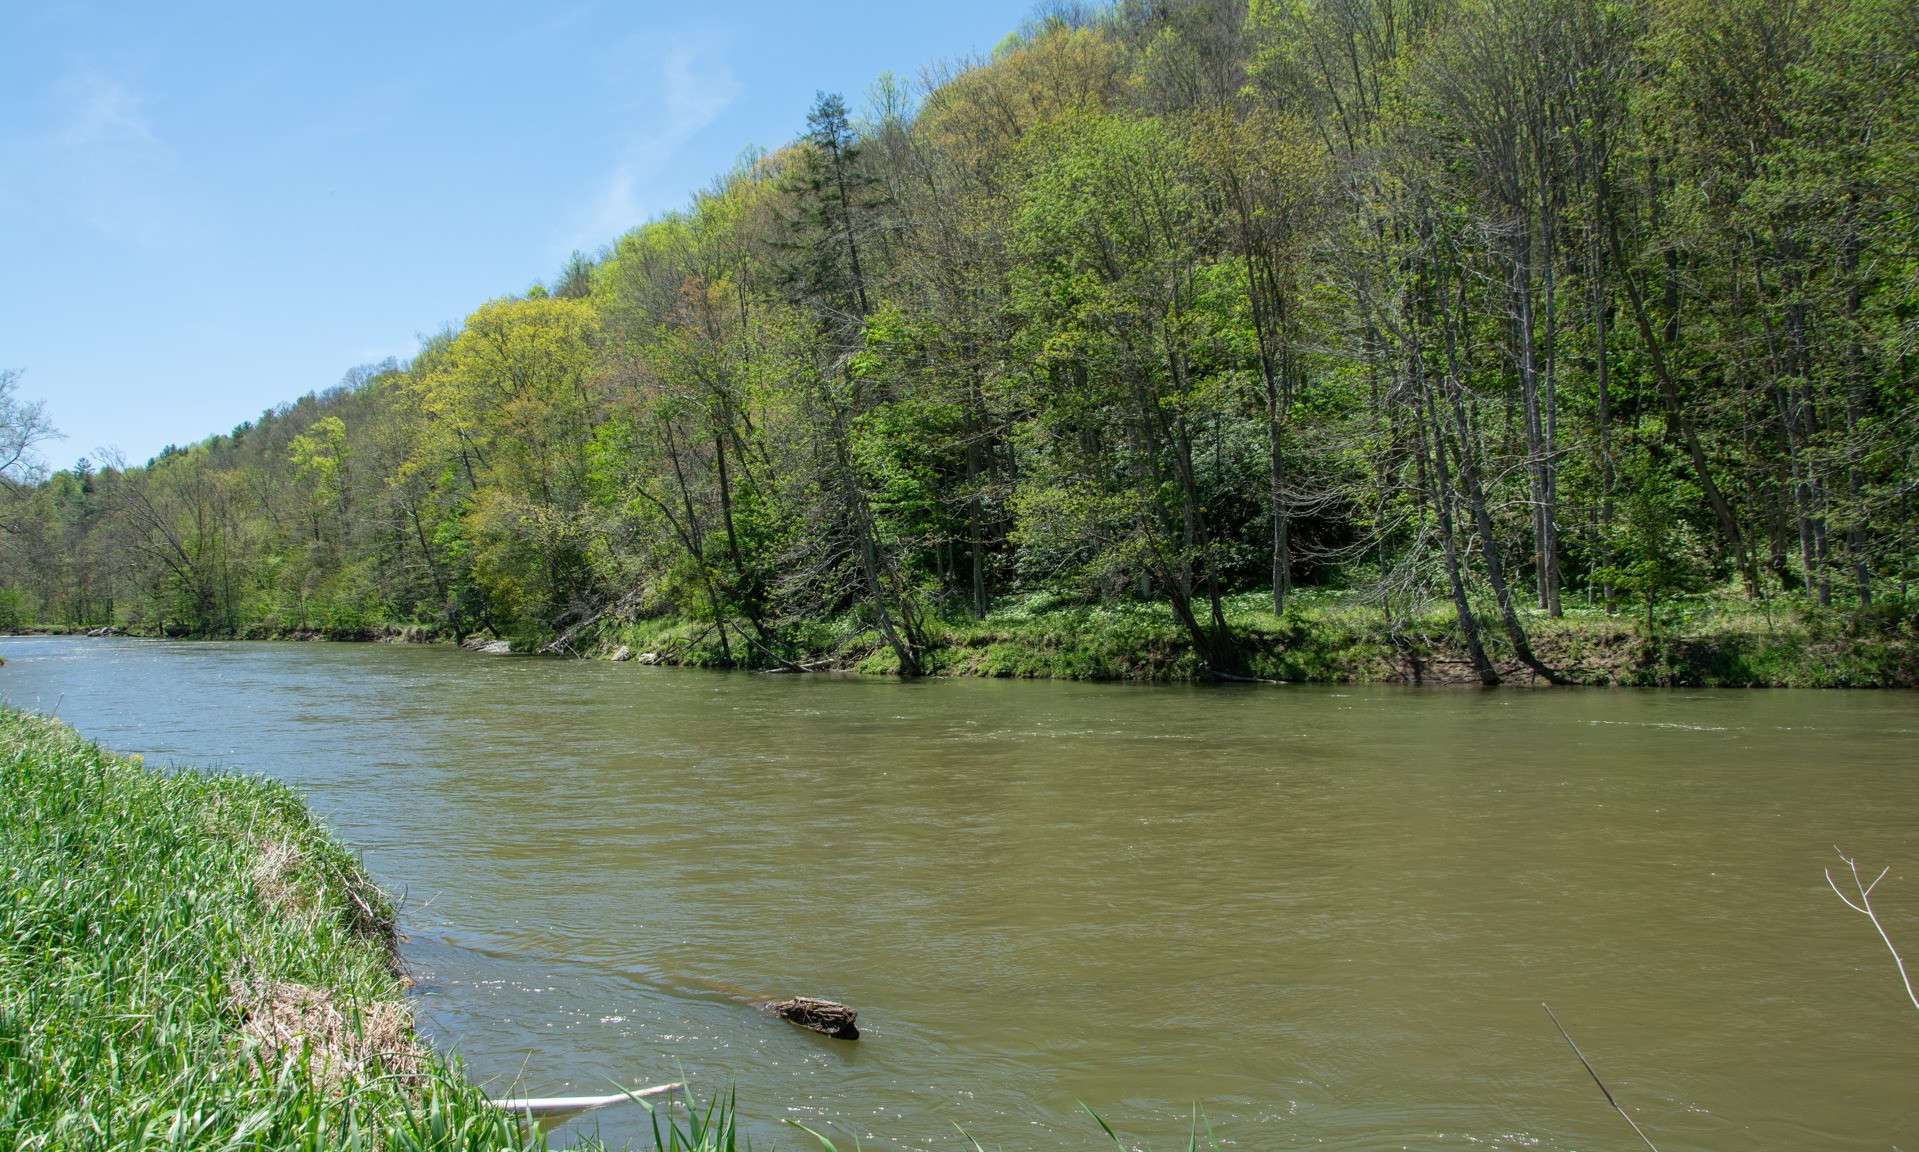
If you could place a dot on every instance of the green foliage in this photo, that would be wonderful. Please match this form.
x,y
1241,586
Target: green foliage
x,y
1659,553
15,610
1479,312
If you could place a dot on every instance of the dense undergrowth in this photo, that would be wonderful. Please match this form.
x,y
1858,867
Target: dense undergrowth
x,y
1335,637
190,962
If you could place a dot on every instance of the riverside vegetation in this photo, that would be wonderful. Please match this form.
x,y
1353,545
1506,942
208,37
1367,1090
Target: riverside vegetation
x,y
189,961
1342,339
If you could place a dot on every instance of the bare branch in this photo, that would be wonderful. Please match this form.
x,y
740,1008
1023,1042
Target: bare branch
x,y
1864,908
1595,1075
22,425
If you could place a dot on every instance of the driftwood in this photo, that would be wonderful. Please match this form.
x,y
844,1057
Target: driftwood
x,y
557,1108
1235,678
828,1017
562,645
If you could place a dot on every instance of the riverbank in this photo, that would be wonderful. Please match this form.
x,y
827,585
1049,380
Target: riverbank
x,y
191,960
1324,637
1328,638
357,634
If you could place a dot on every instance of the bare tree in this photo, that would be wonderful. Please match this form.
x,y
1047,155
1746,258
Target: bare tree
x,y
23,424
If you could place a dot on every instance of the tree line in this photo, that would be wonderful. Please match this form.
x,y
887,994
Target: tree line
x,y
1493,309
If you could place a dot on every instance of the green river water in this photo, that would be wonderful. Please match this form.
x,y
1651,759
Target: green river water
x,y
1326,917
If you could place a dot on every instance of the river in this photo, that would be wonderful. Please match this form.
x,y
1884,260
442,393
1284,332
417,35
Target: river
x,y
1326,917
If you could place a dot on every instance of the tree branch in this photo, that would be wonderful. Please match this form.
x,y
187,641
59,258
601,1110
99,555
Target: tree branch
x,y
1864,908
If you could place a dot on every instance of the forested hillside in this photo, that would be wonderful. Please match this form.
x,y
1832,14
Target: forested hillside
x,y
1458,316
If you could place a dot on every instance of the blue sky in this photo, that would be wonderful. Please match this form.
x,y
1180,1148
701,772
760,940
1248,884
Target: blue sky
x,y
206,209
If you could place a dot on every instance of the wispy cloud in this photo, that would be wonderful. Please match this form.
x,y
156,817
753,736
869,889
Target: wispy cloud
x,y
99,160
695,86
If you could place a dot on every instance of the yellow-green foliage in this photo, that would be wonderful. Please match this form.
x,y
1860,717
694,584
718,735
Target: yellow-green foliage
x,y
1167,302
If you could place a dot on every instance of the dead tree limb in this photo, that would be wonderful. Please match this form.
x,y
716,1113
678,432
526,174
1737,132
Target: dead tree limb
x,y
828,1017
1864,908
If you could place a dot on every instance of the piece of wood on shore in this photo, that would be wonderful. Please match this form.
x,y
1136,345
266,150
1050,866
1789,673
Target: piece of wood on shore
x,y
827,1017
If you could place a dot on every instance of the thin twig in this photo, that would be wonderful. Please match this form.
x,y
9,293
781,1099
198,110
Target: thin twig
x,y
1864,908
1595,1076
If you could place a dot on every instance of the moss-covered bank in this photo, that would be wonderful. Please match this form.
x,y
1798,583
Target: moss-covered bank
x,y
190,961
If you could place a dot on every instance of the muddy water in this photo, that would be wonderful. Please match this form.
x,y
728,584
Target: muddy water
x,y
1326,917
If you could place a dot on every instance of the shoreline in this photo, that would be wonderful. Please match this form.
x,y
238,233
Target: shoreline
x,y
194,949
1338,644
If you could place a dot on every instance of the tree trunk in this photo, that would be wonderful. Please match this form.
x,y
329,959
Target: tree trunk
x,y
1602,388
1440,491
1482,518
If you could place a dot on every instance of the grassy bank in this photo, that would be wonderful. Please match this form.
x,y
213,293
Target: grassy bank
x,y
190,962
1330,637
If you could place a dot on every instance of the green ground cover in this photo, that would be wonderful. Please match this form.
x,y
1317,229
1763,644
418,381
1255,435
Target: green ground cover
x,y
1340,637
191,962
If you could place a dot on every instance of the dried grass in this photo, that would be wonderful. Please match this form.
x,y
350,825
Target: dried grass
x,y
277,871
276,866
307,1028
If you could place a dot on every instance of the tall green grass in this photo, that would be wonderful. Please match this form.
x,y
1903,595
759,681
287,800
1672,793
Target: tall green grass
x,y
142,914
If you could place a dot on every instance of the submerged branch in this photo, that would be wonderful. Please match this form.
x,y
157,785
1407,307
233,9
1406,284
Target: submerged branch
x,y
1596,1080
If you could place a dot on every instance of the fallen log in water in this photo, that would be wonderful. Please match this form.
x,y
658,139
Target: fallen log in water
x,y
828,1017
